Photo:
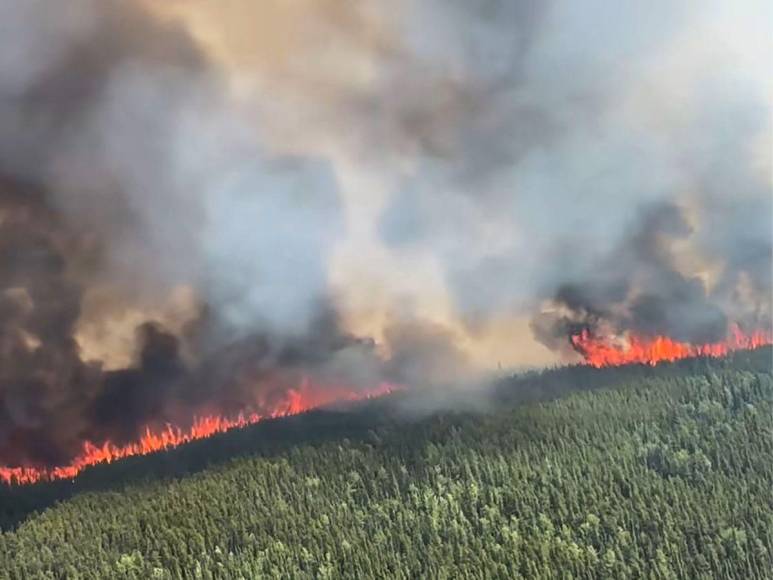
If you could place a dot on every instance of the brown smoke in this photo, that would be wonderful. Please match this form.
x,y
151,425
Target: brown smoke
x,y
203,204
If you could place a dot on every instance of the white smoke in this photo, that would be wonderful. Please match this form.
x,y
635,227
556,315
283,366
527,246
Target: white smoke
x,y
433,161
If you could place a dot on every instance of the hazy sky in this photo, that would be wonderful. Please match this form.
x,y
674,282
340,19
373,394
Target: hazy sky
x,y
205,203
483,152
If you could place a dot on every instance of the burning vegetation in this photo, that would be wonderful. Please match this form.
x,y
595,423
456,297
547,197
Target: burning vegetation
x,y
596,351
633,349
297,401
186,238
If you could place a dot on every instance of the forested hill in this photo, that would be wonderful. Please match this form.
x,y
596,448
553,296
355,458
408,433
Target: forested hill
x,y
633,472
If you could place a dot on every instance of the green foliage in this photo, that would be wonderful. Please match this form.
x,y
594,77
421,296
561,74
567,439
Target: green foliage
x,y
666,474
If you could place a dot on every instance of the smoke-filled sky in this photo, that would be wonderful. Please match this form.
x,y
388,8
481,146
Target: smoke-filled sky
x,y
203,201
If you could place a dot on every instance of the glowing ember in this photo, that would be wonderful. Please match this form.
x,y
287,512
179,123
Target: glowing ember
x,y
295,402
605,352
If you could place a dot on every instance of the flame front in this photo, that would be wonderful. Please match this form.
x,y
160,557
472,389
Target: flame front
x,y
296,401
634,349
597,351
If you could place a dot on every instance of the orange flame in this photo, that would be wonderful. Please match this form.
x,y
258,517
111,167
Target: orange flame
x,y
633,349
296,401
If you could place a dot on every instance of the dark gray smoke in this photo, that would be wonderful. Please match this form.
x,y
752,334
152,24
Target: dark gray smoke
x,y
615,180
639,288
101,195
52,400
201,208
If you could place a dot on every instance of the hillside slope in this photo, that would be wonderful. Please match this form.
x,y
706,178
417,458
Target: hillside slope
x,y
663,473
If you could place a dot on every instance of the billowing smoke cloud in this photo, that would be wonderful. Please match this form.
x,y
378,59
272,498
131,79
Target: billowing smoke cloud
x,y
203,205
639,288
127,173
593,184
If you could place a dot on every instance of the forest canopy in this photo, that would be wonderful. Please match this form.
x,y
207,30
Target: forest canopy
x,y
664,473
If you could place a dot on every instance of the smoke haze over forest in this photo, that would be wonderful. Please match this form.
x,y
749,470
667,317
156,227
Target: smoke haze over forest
x,y
204,203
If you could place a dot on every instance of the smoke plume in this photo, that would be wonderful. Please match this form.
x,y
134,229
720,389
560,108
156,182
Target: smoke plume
x,y
205,204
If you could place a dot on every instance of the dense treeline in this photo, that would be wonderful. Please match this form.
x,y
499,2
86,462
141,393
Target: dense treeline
x,y
664,474
270,438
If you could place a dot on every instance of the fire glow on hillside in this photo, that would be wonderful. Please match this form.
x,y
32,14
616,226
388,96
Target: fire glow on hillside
x,y
634,349
598,352
296,402
192,227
